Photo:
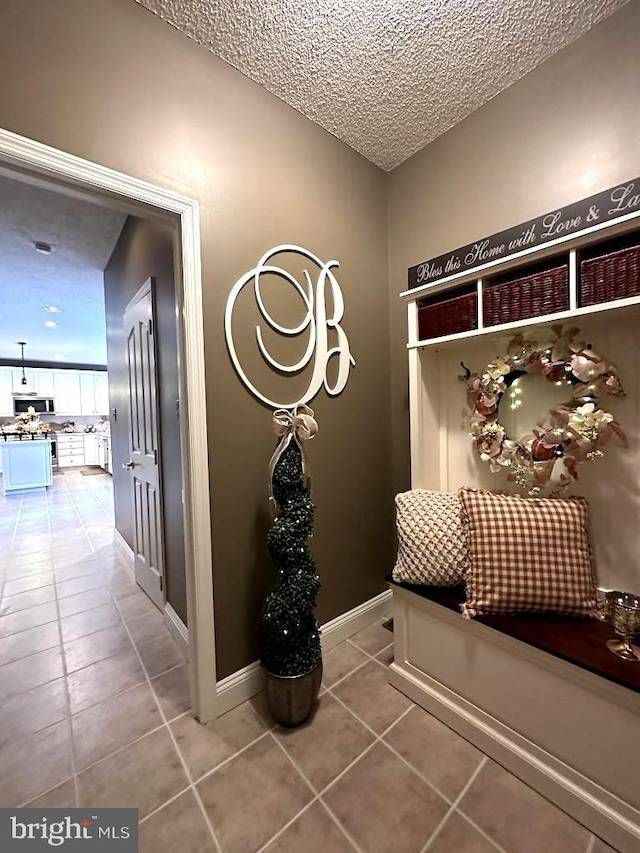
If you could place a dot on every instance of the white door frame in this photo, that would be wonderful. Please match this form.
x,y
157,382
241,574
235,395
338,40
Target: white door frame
x,y
18,152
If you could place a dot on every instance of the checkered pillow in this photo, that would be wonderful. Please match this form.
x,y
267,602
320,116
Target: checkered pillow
x,y
432,547
527,555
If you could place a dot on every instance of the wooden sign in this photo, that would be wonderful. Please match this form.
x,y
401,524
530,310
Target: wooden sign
x,y
609,204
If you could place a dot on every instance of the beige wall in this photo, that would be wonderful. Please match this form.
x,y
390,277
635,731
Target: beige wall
x,y
569,129
108,81
120,87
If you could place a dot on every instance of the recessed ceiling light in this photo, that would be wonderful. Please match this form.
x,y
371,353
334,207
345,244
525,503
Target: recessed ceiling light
x,y
50,324
59,356
43,248
52,309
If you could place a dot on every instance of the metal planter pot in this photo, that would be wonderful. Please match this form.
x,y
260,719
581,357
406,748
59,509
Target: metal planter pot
x,y
292,697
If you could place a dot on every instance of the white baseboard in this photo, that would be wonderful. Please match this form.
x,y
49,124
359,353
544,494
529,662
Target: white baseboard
x,y
603,812
245,683
342,627
177,629
122,542
238,687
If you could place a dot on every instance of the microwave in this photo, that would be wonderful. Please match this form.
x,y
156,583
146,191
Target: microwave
x,y
41,405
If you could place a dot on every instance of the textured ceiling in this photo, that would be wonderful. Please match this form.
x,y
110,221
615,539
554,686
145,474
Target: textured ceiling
x,y
385,76
82,236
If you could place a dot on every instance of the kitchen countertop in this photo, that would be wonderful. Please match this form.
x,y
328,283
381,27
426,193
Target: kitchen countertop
x,y
13,438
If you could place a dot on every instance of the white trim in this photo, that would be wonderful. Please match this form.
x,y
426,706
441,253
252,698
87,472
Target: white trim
x,y
33,156
601,810
542,320
177,629
342,627
247,682
122,543
465,673
240,686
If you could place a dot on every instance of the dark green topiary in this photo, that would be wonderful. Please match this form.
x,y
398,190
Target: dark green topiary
x,y
292,638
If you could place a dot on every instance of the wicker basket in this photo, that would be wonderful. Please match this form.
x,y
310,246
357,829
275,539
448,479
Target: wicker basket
x,y
610,277
533,296
458,314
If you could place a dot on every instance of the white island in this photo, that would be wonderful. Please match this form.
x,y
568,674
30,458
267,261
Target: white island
x,y
26,464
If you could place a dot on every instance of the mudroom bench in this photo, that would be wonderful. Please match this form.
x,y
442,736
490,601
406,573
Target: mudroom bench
x,y
541,695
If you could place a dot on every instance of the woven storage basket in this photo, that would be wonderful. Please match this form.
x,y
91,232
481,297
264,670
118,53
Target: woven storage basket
x,y
459,314
532,296
610,277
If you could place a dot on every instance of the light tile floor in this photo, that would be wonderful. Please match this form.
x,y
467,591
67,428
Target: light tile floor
x,y
94,711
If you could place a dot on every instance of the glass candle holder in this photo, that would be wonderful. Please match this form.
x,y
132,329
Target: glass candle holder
x,y
626,623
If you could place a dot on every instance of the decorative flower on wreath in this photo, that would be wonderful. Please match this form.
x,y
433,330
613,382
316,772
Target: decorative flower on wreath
x,y
548,458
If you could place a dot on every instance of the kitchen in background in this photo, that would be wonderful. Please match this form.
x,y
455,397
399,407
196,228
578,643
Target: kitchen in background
x,y
53,355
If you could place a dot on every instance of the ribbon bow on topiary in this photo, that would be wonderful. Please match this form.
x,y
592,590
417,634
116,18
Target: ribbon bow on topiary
x,y
297,424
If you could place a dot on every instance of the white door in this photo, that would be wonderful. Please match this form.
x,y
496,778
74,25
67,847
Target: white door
x,y
143,463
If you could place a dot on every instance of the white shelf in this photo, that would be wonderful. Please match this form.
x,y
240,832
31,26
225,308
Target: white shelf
x,y
542,320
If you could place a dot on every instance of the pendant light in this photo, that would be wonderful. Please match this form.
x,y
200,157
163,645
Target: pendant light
x,y
23,389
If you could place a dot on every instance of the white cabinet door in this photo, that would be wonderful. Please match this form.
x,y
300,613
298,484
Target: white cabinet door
x,y
102,453
102,393
29,375
91,449
67,388
87,394
43,383
6,387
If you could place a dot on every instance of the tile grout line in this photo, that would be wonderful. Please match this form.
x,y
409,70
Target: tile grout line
x,y
358,666
44,793
283,829
365,652
391,748
316,794
75,509
480,830
453,805
13,536
226,761
351,672
172,737
65,675
319,795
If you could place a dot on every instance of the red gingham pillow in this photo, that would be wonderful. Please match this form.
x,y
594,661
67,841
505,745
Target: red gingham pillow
x,y
527,555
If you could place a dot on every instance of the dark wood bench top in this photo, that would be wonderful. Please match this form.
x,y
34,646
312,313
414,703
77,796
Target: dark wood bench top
x,y
579,641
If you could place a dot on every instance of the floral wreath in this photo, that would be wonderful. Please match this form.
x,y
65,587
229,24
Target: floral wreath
x,y
550,456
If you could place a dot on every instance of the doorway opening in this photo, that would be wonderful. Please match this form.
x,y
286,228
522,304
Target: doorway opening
x,y
39,166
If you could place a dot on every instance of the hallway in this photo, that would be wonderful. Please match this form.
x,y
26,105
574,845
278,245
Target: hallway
x,y
94,711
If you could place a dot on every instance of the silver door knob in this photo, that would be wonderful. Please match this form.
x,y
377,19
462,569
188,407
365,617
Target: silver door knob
x,y
129,466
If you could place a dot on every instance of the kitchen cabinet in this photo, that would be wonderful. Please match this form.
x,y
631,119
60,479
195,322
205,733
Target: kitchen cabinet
x,y
76,392
70,449
26,465
94,394
102,393
6,398
91,449
67,392
43,383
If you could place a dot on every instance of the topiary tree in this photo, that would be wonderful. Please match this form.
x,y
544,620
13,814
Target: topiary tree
x,y
291,633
